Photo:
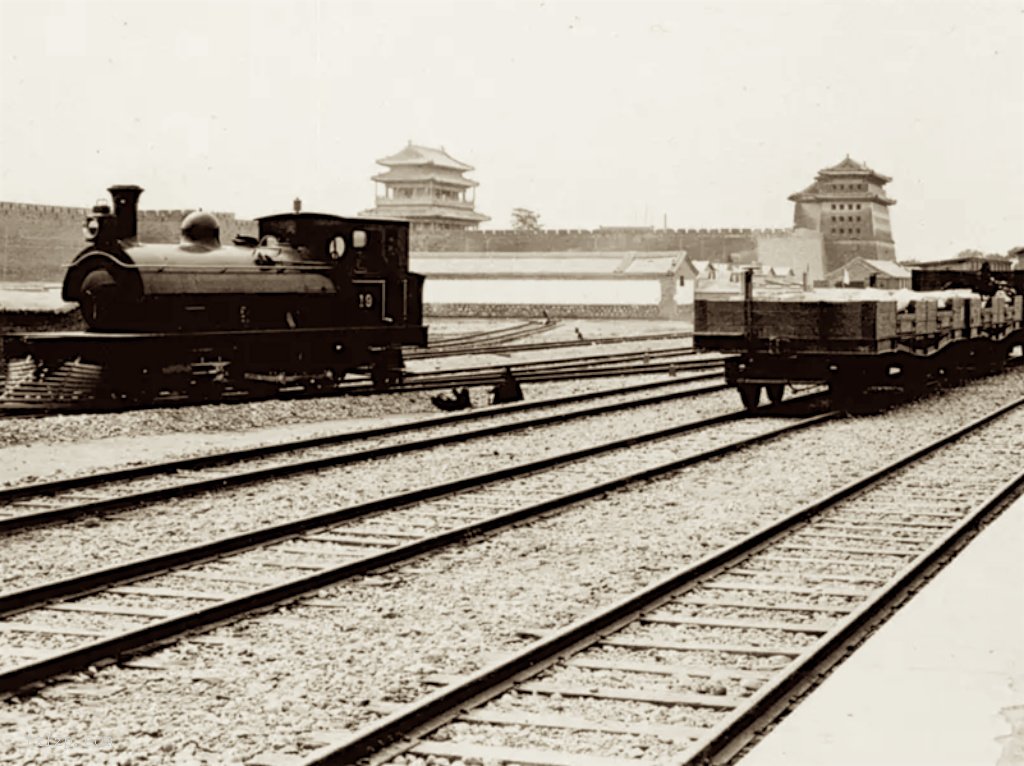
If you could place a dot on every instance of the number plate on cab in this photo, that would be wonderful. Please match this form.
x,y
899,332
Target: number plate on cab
x,y
369,298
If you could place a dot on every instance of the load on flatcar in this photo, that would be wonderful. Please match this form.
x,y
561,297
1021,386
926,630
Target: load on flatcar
x,y
311,299
868,346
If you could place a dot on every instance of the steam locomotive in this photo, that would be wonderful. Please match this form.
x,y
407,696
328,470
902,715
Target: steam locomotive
x,y
311,299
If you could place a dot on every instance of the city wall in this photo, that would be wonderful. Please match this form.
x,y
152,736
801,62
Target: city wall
x,y
701,244
554,311
38,241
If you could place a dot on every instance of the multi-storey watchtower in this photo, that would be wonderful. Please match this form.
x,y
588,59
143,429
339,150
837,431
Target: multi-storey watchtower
x,y
848,205
426,187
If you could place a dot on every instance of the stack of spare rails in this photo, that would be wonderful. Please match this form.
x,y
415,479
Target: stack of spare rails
x,y
869,346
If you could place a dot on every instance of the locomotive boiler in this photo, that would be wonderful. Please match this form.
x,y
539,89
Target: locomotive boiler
x,y
310,299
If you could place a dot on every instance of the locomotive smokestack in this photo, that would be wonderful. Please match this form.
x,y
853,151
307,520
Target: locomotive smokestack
x,y
297,205
126,211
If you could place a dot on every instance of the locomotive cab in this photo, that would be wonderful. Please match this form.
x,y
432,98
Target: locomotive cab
x,y
359,246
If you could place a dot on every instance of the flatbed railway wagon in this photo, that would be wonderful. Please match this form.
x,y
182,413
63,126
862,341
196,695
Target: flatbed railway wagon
x,y
866,345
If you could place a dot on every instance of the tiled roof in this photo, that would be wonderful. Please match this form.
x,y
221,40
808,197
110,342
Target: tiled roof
x,y
850,167
889,268
423,173
421,212
424,155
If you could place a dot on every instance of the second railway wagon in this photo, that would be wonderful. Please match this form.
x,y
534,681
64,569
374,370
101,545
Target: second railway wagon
x,y
865,345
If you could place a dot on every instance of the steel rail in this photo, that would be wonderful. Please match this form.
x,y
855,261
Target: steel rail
x,y
81,584
585,362
111,648
206,461
513,348
240,478
470,380
597,341
14,410
524,330
497,332
435,709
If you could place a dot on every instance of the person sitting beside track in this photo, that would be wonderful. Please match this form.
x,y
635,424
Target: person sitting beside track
x,y
507,390
459,400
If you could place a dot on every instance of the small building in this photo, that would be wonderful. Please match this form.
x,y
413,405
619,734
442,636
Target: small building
x,y
651,284
848,205
967,263
426,187
867,272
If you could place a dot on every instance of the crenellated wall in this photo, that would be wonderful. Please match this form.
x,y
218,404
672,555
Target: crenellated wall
x,y
38,241
701,244
550,310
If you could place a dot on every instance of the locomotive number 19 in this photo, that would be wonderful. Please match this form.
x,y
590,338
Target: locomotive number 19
x,y
369,298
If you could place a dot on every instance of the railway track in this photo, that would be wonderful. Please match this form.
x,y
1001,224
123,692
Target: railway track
x,y
99,616
500,348
611,365
496,336
691,668
674,360
54,501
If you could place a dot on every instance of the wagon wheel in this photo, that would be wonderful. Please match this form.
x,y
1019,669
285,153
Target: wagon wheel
x,y
385,377
750,395
776,391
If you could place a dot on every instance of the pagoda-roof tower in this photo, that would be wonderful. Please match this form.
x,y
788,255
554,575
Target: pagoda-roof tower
x,y
426,187
847,203
830,183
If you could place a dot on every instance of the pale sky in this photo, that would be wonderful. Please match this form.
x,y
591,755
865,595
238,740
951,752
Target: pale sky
x,y
591,113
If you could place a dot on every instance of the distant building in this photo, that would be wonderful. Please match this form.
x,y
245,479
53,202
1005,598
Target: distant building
x,y
865,272
847,204
427,188
967,263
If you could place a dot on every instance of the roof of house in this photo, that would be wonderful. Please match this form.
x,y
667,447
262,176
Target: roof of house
x,y
889,268
886,268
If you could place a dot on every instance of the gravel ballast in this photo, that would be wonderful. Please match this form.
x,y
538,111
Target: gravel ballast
x,y
279,680
41,554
